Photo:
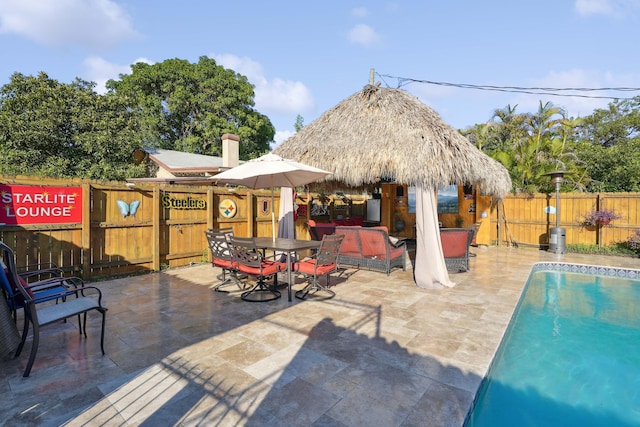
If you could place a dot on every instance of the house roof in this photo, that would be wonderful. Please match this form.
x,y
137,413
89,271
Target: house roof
x,y
181,162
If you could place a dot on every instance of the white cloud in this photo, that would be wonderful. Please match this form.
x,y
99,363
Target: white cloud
x,y
615,8
577,78
92,23
281,136
594,7
275,96
100,70
364,35
360,12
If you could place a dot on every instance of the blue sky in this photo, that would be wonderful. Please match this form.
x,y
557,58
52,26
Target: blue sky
x,y
305,57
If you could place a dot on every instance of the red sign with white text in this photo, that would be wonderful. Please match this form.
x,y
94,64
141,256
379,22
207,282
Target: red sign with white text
x,y
28,204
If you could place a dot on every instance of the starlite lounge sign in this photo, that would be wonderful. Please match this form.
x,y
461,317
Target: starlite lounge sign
x,y
26,204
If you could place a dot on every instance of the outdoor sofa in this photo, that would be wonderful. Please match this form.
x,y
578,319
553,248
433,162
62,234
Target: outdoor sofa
x,y
370,248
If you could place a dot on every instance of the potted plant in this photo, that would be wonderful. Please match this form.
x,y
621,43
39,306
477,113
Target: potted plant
x,y
600,217
634,241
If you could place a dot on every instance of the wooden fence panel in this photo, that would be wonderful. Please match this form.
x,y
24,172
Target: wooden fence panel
x,y
111,242
524,219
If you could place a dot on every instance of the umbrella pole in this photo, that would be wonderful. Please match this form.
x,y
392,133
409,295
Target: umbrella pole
x,y
273,214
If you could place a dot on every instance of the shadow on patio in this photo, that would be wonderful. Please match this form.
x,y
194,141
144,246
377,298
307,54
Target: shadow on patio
x,y
383,352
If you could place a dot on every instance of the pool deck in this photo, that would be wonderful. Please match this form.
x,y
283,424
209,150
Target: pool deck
x,y
383,352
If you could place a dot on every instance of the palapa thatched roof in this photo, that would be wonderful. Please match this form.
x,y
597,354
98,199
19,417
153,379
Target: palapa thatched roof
x,y
387,133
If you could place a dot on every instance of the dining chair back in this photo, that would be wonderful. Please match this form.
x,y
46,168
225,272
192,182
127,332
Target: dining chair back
x,y
48,287
252,262
222,257
323,263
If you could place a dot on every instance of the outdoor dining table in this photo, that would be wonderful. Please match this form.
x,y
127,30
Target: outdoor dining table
x,y
288,246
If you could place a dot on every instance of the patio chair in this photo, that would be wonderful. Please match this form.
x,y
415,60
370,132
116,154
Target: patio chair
x,y
455,248
36,272
323,263
73,301
222,257
47,289
253,263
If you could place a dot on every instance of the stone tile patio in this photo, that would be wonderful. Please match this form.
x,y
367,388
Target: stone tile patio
x,y
381,353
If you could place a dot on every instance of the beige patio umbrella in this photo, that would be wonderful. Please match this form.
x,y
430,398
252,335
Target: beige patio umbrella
x,y
388,133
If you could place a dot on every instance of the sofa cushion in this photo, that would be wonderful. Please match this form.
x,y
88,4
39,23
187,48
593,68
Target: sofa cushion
x,y
374,243
351,243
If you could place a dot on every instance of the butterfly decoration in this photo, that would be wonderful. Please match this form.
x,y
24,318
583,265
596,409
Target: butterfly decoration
x,y
128,208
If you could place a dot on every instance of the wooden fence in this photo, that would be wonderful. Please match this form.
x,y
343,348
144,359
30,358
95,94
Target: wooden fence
x,y
167,228
523,220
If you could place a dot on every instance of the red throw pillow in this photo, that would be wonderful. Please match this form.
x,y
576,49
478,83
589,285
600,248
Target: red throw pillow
x,y
15,287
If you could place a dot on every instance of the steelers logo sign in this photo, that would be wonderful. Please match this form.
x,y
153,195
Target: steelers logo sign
x,y
227,208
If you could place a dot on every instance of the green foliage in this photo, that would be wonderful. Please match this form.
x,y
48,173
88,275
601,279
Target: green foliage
x,y
53,129
612,169
531,145
634,241
610,146
188,107
299,124
608,127
620,249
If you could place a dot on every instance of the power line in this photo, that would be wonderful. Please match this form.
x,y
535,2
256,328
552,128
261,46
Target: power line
x,y
547,91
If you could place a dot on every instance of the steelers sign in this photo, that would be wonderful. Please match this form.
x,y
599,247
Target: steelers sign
x,y
227,208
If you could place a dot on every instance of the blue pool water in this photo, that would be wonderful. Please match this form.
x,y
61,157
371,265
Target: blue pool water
x,y
571,354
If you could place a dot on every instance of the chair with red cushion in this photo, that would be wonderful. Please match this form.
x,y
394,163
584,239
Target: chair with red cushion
x,y
323,263
222,257
251,261
455,247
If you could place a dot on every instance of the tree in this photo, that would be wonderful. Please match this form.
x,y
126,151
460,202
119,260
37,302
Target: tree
x,y
608,127
53,129
188,107
531,145
610,146
612,169
299,124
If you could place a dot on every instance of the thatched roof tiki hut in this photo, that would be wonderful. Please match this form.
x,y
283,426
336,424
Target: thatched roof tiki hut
x,y
387,133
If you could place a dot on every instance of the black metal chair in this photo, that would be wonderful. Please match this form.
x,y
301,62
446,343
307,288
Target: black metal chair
x,y
253,263
73,301
45,282
323,263
222,257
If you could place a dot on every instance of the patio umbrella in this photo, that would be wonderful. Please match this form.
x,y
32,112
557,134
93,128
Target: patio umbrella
x,y
270,171
388,133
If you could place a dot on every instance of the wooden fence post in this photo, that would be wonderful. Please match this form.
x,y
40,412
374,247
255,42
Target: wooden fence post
x,y
85,250
157,208
250,214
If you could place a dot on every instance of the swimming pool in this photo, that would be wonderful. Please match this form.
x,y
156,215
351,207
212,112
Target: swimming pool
x,y
571,353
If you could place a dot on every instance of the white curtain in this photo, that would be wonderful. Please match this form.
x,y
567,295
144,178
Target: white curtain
x,y
430,271
286,223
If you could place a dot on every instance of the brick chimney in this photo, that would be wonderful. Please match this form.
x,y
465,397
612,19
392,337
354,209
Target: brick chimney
x,y
230,150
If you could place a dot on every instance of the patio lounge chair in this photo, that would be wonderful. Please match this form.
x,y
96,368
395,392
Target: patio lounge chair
x,y
73,301
324,262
